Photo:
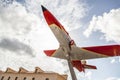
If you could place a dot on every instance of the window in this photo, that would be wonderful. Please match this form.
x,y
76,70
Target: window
x,y
2,78
33,78
24,78
9,78
47,79
16,78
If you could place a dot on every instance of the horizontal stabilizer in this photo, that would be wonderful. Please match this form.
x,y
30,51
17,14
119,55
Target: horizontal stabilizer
x,y
81,67
89,67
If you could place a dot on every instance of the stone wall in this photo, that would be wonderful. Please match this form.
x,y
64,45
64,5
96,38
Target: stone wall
x,y
23,74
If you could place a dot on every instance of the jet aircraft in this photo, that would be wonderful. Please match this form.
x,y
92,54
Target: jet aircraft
x,y
68,50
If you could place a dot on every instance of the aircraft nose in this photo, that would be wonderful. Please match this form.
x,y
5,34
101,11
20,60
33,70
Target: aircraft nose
x,y
43,8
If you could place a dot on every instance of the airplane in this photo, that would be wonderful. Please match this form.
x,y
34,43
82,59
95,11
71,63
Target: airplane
x,y
76,56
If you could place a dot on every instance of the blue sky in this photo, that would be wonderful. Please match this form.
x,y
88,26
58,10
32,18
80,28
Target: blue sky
x,y
96,8
106,69
25,41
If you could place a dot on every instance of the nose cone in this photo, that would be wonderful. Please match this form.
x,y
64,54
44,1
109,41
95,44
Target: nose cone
x,y
43,8
50,19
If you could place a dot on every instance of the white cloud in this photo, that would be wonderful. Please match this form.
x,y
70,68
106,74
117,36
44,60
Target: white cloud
x,y
24,26
88,75
108,24
112,78
21,35
18,22
115,59
69,12
85,76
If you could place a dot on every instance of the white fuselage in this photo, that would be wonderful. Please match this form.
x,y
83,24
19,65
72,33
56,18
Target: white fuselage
x,y
62,37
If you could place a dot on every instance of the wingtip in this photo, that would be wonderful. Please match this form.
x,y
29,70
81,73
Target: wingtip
x,y
43,8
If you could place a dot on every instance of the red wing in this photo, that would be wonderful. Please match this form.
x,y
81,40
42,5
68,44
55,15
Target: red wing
x,y
49,52
109,50
58,53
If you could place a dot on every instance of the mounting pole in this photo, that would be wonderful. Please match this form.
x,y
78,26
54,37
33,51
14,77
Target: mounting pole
x,y
71,68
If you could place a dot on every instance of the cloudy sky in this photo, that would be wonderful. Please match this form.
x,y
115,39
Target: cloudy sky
x,y
24,34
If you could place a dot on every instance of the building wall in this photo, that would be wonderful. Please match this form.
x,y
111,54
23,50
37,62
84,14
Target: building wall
x,y
23,74
31,76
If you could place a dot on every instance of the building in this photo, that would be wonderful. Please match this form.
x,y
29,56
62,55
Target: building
x,y
23,74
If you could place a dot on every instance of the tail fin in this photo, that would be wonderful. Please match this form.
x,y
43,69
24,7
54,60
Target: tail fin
x,y
78,65
81,67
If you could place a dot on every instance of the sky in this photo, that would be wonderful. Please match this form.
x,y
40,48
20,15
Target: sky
x,y
24,34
